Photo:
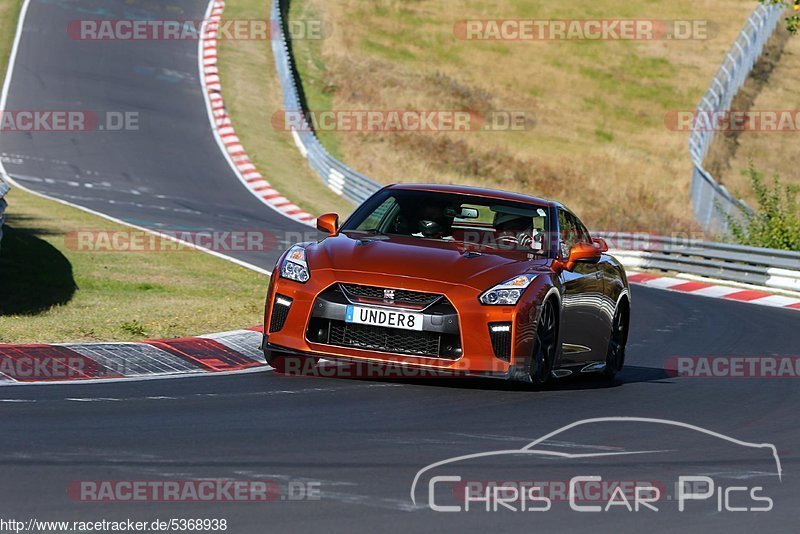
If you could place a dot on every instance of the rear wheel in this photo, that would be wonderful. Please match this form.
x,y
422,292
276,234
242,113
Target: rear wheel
x,y
544,351
615,358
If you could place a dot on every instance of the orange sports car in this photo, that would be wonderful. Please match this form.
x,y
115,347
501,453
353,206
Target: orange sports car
x,y
452,279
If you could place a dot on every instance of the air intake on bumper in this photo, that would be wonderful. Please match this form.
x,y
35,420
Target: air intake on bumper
x,y
501,340
280,311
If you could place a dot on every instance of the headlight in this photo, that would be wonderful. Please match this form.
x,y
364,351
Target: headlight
x,y
294,265
509,292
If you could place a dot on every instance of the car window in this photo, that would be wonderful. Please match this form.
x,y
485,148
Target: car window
x,y
486,223
374,221
572,232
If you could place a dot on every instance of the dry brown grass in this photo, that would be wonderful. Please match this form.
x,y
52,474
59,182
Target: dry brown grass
x,y
770,152
599,143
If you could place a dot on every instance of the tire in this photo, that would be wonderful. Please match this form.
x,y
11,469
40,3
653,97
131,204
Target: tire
x,y
545,350
615,357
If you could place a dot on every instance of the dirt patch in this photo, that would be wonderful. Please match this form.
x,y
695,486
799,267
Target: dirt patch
x,y
726,144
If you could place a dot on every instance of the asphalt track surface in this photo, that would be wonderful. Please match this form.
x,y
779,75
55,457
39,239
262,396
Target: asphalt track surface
x,y
361,440
169,174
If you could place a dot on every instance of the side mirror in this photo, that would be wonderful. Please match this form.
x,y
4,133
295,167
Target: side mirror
x,y
328,223
582,253
600,243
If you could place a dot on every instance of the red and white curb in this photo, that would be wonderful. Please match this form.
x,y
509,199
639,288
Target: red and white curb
x,y
239,350
220,353
223,129
708,289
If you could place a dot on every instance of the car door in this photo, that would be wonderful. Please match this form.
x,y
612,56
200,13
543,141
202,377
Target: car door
x,y
582,326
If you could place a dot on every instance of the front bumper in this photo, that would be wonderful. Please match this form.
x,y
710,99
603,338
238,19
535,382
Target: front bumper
x,y
474,354
376,369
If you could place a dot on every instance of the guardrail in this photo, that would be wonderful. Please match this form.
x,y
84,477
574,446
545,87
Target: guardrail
x,y
778,269
340,178
711,201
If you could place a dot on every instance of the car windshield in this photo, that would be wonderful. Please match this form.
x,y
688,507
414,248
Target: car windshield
x,y
481,222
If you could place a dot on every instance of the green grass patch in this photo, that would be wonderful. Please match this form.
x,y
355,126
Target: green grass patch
x,y
388,52
603,135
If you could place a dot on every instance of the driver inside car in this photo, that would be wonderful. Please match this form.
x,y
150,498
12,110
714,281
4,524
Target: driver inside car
x,y
514,231
434,223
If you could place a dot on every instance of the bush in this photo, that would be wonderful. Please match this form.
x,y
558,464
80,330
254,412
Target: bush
x,y
793,22
776,221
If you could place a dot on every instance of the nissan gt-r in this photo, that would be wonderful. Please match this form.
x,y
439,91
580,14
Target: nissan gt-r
x,y
453,279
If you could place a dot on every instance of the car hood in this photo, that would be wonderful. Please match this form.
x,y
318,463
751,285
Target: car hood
x,y
439,261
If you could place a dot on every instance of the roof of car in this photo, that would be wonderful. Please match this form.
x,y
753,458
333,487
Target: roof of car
x,y
475,191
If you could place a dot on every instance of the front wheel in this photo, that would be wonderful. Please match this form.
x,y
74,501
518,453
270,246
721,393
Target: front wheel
x,y
545,349
615,358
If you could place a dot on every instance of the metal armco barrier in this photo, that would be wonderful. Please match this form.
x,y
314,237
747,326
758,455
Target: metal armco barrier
x,y
711,201
340,178
778,269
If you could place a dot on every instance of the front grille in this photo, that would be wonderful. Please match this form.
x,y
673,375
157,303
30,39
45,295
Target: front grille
x,y
279,313
380,339
401,296
501,340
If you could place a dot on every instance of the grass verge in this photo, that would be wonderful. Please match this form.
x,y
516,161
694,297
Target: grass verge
x,y
54,293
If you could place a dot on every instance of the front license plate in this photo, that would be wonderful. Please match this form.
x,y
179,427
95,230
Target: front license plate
x,y
386,318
